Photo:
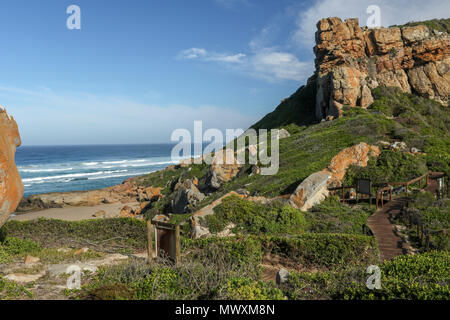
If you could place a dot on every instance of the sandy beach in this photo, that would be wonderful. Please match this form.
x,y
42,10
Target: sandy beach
x,y
74,213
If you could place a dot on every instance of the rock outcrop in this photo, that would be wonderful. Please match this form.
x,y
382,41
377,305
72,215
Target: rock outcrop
x,y
224,167
187,194
351,60
11,187
126,192
314,189
358,155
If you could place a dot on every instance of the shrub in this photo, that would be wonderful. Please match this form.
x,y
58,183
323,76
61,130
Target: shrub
x,y
256,218
419,277
11,247
326,251
249,289
389,166
331,216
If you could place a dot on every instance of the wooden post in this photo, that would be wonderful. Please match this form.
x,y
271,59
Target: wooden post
x,y
343,195
149,242
177,245
406,186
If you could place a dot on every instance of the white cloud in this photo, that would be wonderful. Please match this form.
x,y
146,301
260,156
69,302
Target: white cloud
x,y
48,117
273,65
392,12
202,54
266,63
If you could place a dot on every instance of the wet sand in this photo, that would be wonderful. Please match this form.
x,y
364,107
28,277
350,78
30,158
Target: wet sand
x,y
74,213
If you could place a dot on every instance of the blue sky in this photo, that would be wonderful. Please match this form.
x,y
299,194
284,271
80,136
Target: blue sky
x,y
139,69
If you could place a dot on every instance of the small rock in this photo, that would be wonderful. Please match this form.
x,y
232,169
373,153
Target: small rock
x,y
282,276
415,150
127,211
161,218
383,144
80,251
255,170
200,232
31,260
227,231
283,133
399,146
99,214
24,278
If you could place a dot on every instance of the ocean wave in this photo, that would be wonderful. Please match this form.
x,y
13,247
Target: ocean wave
x,y
90,163
121,175
45,170
67,176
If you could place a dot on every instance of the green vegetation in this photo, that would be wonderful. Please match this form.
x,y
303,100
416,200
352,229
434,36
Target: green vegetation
x,y
442,25
389,166
423,276
420,122
10,248
323,250
11,290
106,235
298,104
248,289
256,218
331,216
434,214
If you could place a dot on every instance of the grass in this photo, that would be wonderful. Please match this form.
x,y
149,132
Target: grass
x,y
120,235
331,216
256,218
419,277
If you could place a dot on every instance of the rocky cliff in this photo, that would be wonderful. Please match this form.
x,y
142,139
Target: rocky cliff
x,y
350,61
11,187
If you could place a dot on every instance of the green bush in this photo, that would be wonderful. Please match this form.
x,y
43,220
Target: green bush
x,y
256,218
325,251
389,166
331,216
12,247
249,289
420,277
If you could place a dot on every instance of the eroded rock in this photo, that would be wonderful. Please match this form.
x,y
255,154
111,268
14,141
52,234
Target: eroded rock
x,y
351,60
11,187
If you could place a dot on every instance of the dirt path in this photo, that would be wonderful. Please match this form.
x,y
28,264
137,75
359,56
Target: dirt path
x,y
389,243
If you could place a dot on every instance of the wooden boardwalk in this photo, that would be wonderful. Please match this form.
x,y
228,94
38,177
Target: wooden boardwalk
x,y
389,243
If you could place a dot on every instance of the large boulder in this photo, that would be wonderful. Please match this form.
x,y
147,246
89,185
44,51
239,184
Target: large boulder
x,y
11,187
186,195
223,168
311,191
356,155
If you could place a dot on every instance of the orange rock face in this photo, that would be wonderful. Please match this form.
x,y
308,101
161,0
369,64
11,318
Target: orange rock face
x,y
11,187
357,155
351,60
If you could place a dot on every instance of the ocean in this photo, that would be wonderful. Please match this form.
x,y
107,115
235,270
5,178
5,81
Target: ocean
x,y
47,169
